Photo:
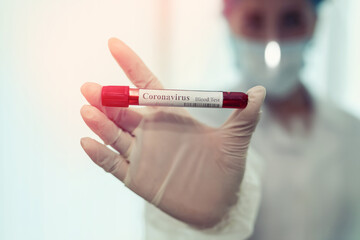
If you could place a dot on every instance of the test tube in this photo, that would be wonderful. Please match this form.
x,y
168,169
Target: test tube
x,y
123,96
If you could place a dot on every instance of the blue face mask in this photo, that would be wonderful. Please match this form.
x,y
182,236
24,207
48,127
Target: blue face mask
x,y
276,66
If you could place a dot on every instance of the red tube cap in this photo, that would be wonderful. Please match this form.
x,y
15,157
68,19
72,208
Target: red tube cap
x,y
115,96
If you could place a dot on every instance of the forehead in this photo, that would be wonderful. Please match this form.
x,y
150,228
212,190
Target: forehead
x,y
272,5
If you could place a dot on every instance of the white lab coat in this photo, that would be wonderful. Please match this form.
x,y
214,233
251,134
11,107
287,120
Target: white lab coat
x,y
310,182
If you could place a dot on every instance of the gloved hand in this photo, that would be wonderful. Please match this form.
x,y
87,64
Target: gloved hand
x,y
187,169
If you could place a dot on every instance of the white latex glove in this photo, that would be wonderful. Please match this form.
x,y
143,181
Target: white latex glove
x,y
187,169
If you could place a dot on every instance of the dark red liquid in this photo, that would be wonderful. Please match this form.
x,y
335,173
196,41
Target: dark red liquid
x,y
235,100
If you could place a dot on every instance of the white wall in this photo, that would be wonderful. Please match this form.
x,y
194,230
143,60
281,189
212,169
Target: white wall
x,y
49,188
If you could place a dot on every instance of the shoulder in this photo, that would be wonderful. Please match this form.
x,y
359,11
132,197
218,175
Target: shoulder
x,y
338,120
346,127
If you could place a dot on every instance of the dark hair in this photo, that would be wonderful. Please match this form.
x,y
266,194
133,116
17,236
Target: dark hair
x,y
228,4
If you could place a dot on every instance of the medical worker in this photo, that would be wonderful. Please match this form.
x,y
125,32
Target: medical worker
x,y
310,148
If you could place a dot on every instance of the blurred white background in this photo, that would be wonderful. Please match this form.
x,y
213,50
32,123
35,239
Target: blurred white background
x,y
49,188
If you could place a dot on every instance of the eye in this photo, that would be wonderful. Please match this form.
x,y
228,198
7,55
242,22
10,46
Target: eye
x,y
254,22
291,20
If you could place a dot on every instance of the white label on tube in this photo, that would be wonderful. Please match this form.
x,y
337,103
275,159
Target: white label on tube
x,y
183,98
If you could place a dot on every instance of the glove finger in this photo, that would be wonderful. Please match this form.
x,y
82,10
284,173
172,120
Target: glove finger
x,y
256,96
133,66
107,130
105,158
125,118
